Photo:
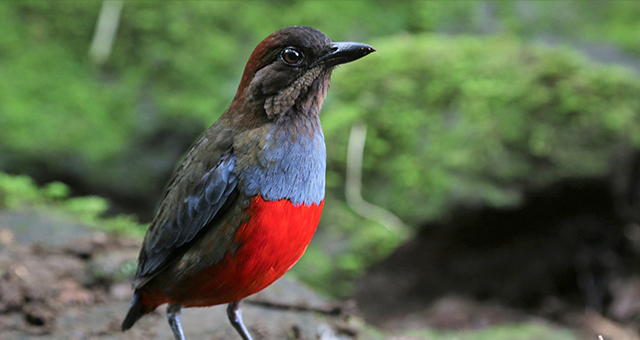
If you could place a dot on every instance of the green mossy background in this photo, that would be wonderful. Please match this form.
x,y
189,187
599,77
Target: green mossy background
x,y
465,102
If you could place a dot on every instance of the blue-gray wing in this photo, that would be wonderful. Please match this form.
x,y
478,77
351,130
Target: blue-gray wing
x,y
177,224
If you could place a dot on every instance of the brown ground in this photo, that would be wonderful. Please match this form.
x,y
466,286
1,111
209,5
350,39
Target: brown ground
x,y
71,283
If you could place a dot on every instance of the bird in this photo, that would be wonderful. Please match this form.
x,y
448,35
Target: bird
x,y
244,204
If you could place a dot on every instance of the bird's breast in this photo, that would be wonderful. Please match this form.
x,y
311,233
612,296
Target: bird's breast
x,y
273,240
265,247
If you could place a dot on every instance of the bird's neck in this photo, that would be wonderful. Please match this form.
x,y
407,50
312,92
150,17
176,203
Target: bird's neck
x,y
303,97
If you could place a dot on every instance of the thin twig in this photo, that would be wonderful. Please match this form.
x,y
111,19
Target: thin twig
x,y
105,32
353,187
329,310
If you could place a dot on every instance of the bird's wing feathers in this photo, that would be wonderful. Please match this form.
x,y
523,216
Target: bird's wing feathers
x,y
201,193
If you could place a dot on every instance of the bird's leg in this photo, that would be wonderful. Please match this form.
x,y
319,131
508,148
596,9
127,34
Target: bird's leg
x,y
235,316
173,314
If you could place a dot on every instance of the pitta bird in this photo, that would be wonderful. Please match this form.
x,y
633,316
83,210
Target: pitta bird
x,y
243,206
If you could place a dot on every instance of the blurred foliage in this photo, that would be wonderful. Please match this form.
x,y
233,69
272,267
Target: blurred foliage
x,y
20,192
472,118
167,54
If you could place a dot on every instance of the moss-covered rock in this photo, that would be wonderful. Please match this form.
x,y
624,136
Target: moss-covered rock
x,y
468,119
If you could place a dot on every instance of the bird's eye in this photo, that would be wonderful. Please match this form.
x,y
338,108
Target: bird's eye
x,y
292,56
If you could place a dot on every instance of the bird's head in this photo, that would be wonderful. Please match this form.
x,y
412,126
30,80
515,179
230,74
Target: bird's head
x,y
289,71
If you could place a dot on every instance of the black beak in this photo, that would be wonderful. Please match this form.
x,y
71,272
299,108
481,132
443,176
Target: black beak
x,y
344,52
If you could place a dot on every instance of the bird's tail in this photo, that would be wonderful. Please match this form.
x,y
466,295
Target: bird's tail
x,y
136,311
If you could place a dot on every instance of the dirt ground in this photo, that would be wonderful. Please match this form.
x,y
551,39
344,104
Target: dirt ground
x,y
71,283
